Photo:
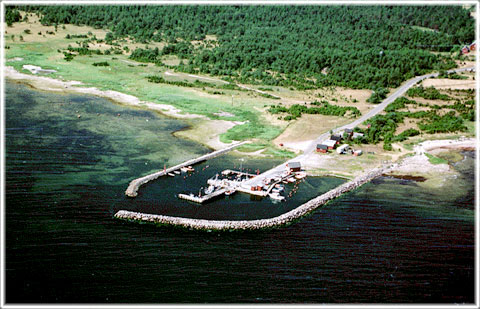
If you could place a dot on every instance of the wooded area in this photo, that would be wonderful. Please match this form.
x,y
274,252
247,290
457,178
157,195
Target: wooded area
x,y
295,46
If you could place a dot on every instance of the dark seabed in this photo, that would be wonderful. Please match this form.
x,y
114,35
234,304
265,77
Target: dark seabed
x,y
391,241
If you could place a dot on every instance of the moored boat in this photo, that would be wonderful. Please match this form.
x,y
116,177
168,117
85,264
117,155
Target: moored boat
x,y
276,197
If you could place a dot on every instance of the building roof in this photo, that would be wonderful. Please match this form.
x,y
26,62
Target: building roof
x,y
329,143
348,130
336,137
357,134
294,164
322,146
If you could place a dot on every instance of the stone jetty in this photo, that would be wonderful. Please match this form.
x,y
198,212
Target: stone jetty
x,y
202,224
132,190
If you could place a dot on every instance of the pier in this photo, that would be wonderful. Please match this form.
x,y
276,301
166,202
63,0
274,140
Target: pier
x,y
286,218
132,190
202,199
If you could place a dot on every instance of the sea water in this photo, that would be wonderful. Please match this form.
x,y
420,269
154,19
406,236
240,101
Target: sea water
x,y
69,159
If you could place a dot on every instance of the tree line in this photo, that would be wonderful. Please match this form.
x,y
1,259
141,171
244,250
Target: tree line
x,y
299,46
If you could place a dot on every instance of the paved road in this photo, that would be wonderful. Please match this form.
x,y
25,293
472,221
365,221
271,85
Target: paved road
x,y
377,109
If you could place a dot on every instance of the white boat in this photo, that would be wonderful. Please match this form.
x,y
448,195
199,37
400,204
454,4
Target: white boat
x,y
177,172
276,197
187,169
291,179
171,174
209,189
229,192
300,175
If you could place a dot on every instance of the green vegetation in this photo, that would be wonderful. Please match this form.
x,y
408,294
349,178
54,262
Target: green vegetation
x,y
296,110
435,160
383,127
378,95
101,64
285,45
429,93
445,74
442,124
11,15
399,104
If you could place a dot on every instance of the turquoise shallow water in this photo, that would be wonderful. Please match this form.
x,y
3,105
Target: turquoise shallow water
x,y
389,241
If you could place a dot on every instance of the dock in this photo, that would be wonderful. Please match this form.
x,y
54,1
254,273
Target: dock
x,y
202,199
132,190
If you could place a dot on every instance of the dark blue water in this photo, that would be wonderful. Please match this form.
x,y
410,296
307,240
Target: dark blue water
x,y
391,241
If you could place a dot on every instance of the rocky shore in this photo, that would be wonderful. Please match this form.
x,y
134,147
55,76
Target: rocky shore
x,y
286,218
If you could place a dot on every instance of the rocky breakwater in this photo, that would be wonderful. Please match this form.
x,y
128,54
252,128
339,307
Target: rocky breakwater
x,y
132,189
201,224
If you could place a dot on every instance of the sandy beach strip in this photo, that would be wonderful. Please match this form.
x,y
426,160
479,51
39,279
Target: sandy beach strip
x,y
52,84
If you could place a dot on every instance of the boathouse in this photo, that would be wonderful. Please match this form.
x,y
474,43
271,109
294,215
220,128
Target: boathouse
x,y
322,148
294,167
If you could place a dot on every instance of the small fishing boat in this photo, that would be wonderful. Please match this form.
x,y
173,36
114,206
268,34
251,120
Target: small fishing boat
x,y
187,169
291,179
177,172
300,175
171,174
276,197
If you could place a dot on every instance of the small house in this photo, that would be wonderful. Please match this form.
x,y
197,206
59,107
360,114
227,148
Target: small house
x,y
330,143
473,46
465,49
343,149
322,148
294,167
357,153
348,133
336,138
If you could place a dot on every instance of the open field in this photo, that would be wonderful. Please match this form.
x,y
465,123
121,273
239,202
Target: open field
x,y
445,83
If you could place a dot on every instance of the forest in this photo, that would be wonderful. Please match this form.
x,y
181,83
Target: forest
x,y
302,47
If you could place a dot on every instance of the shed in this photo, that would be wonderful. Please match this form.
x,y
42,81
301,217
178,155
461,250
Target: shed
x,y
330,143
294,166
322,148
465,49
343,148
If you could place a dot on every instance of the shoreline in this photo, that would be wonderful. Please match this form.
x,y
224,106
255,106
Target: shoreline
x,y
50,84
